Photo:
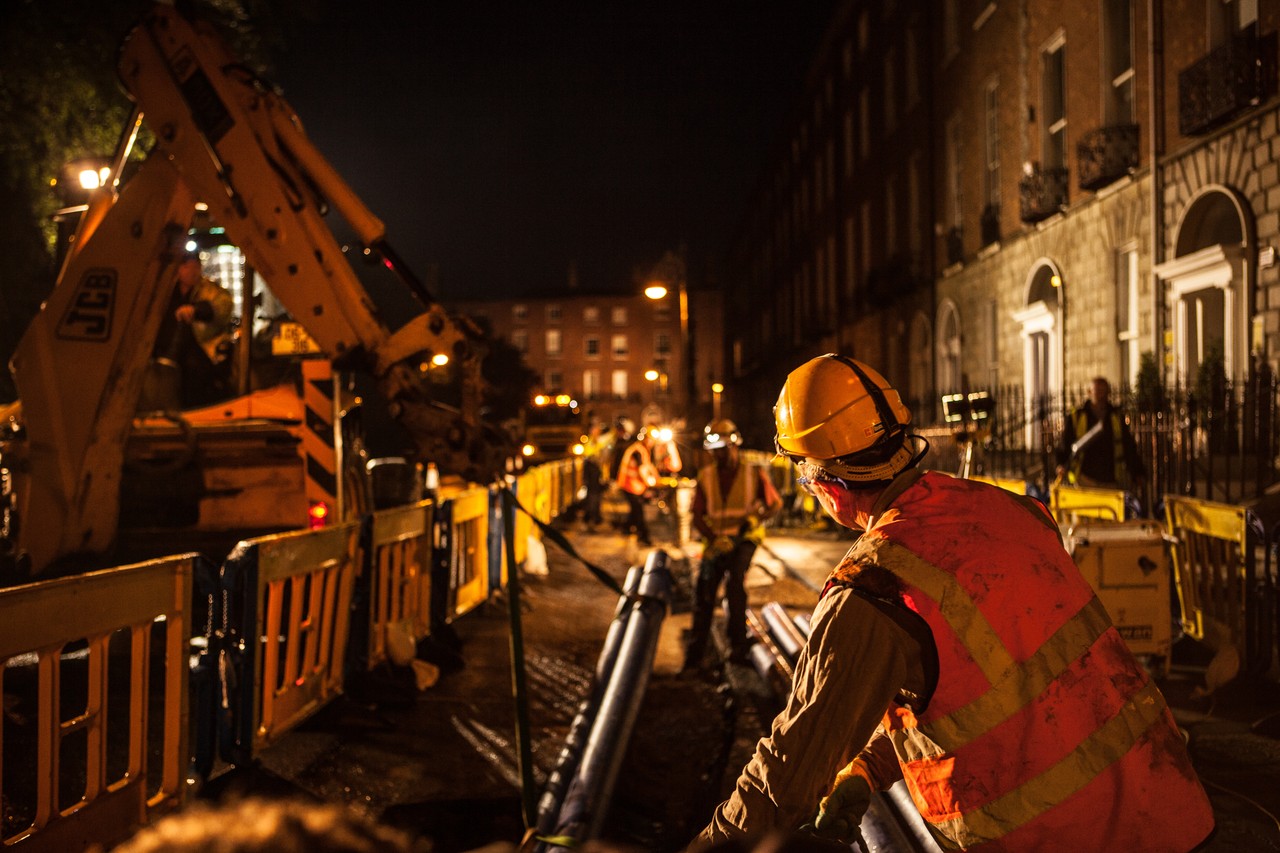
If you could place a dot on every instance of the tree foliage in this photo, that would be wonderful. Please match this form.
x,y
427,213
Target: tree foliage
x,y
62,100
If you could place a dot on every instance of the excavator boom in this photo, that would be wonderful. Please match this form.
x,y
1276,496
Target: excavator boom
x,y
226,140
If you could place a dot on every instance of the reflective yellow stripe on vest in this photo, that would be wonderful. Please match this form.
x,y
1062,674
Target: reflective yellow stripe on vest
x,y
1013,687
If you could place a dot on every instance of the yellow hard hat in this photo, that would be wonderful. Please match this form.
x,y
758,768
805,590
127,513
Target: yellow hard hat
x,y
720,433
846,417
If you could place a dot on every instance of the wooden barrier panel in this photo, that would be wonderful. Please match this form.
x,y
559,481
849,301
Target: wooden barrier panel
x,y
1072,502
469,550
107,723
297,593
1215,572
399,566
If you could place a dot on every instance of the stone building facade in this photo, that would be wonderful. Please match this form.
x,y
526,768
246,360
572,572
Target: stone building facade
x,y
1097,186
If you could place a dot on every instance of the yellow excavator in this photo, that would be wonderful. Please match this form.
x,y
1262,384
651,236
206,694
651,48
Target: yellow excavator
x,y
230,159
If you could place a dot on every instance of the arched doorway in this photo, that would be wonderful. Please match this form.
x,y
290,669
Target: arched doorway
x,y
949,375
1040,326
1208,284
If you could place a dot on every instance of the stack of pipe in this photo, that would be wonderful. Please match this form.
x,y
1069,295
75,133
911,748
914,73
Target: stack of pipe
x,y
623,669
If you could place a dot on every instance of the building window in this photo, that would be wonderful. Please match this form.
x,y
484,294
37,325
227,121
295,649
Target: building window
x,y
554,314
1225,17
915,228
848,142
1117,60
619,315
850,271
1127,314
864,123
662,344
591,384
618,383
954,209
555,380
553,342
891,215
1054,94
865,243
890,90
992,172
913,63
662,308
591,347
619,346
950,29
520,312
591,315
520,340
831,169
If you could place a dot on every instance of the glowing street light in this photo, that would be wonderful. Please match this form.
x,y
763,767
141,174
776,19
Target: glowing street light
x,y
716,390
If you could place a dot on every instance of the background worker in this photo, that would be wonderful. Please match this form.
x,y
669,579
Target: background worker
x,y
957,646
729,506
1107,458
593,482
195,334
637,475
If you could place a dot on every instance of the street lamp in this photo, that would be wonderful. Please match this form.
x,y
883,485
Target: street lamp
x,y
716,390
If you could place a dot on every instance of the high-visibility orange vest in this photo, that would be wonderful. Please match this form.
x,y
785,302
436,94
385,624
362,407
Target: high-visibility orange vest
x,y
637,473
726,512
1043,731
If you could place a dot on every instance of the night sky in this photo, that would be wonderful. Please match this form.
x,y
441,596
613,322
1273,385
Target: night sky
x,y
502,142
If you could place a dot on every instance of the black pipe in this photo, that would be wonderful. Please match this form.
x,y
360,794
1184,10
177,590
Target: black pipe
x,y
576,741
587,802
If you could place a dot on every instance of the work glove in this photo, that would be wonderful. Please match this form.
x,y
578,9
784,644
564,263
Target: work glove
x,y
720,545
840,812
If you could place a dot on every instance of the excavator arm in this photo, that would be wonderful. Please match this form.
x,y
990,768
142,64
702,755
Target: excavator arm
x,y
225,139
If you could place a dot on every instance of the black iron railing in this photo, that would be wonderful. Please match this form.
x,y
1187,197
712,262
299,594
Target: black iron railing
x,y
1042,192
1107,154
1214,439
1231,78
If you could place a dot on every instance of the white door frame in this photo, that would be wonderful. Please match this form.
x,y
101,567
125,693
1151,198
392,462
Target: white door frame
x,y
1222,267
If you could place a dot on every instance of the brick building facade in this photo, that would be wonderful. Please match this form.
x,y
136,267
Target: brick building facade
x,y
981,194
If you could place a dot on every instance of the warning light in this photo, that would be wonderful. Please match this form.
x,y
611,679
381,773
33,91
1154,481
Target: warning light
x,y
528,450
317,515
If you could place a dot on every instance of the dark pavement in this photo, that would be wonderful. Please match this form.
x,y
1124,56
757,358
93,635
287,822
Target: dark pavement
x,y
443,762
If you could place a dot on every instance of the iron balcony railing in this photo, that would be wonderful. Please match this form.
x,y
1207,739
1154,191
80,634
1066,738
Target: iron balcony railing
x,y
1042,192
1107,154
1231,78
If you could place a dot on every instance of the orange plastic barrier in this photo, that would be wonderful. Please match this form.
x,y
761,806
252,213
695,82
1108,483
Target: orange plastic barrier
x,y
99,695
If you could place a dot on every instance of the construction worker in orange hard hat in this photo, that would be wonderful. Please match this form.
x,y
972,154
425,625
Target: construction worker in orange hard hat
x,y
958,647
730,504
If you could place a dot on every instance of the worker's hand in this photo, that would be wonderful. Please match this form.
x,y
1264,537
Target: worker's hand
x,y
185,313
720,545
1060,473
840,812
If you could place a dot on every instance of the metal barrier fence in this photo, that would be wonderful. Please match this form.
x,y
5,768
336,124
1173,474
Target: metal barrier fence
x,y
291,593
274,643
1069,503
94,737
1225,601
399,564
